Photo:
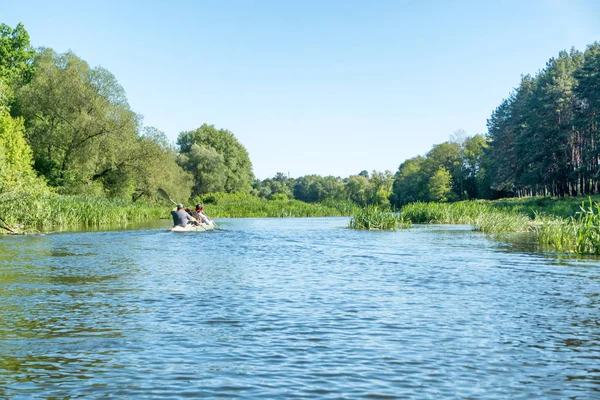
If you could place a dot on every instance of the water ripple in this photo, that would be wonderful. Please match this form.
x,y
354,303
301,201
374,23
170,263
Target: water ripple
x,y
296,308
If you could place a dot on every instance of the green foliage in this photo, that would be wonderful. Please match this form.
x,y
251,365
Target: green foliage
x,y
156,167
374,218
464,212
315,188
544,137
61,211
410,183
440,185
19,185
244,205
5,97
357,189
16,152
216,160
279,197
16,55
579,234
345,207
482,216
380,189
78,124
362,189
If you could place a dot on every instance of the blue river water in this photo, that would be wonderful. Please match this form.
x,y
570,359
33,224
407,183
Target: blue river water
x,y
295,308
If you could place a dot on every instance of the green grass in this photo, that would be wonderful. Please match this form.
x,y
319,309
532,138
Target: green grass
x,y
559,224
62,211
463,212
482,215
373,218
564,225
563,207
578,234
239,205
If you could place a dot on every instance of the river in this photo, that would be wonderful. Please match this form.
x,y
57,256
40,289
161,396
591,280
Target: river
x,y
295,308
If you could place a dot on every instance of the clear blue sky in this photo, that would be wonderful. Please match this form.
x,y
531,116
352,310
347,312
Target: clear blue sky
x,y
323,87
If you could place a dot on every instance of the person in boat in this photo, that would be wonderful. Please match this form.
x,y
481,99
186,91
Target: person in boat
x,y
180,217
201,216
195,216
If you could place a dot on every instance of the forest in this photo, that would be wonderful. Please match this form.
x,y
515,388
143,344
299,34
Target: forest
x,y
66,129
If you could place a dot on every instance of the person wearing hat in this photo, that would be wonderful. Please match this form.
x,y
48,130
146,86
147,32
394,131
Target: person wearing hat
x,y
180,217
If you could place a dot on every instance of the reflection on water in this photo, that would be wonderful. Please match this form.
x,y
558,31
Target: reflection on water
x,y
296,308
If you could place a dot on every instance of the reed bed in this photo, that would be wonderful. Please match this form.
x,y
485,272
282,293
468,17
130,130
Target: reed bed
x,y
464,212
374,218
554,223
220,205
61,211
481,215
579,234
498,222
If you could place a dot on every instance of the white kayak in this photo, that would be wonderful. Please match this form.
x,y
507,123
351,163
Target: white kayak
x,y
193,228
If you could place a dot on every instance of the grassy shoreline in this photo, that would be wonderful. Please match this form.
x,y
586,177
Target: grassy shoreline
x,y
61,211
569,225
220,205
70,211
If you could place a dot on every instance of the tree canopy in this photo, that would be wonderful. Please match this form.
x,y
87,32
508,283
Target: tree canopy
x,y
217,161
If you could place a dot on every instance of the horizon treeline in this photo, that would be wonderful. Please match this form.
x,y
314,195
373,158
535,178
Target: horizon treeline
x,y
67,128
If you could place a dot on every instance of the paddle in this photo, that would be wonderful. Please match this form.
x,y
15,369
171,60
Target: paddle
x,y
165,196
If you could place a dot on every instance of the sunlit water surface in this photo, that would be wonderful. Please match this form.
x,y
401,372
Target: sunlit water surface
x,y
284,308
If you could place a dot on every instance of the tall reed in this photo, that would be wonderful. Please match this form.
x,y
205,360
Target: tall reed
x,y
239,205
579,234
60,211
373,218
481,215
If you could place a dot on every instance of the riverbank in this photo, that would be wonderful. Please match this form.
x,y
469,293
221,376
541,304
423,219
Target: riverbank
x,y
567,225
56,211
558,224
240,205
70,211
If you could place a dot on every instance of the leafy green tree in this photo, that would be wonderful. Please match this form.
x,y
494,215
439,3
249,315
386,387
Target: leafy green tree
x,y
380,188
410,182
474,160
447,155
207,167
587,109
309,188
5,96
19,184
157,168
552,123
333,188
280,185
440,185
16,56
228,164
357,189
507,127
78,124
